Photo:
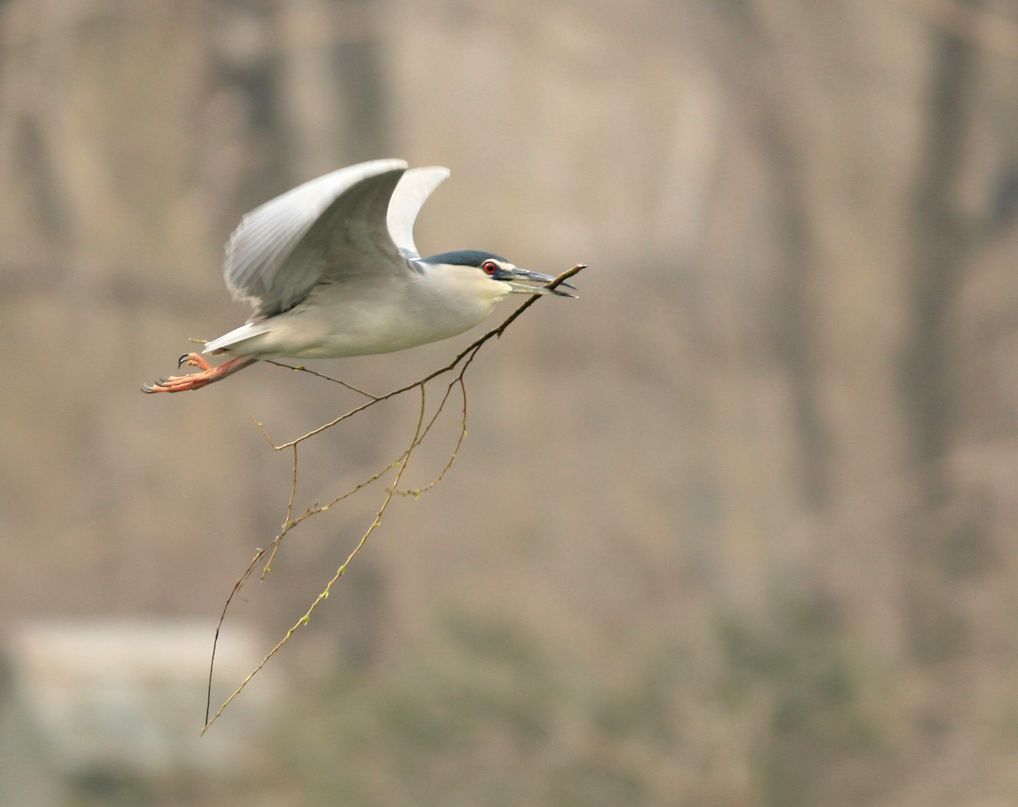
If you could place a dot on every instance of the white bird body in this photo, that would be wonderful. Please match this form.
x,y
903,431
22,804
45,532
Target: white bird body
x,y
380,314
331,269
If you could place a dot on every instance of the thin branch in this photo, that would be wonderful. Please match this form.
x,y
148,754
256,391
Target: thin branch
x,y
287,521
302,369
219,625
324,593
464,359
417,492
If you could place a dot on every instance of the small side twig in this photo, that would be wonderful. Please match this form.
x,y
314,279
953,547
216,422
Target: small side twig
x,y
302,369
417,492
287,520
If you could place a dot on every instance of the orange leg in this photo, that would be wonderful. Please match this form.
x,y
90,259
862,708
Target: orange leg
x,y
207,373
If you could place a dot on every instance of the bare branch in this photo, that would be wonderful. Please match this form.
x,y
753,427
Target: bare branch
x,y
301,368
324,593
287,521
463,360
416,492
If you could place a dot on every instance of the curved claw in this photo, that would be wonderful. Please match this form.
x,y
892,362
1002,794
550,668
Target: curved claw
x,y
208,374
182,359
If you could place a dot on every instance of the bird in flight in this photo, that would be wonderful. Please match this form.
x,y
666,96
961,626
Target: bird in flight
x,y
330,269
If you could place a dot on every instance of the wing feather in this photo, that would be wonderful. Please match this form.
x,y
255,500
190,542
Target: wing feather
x,y
281,249
413,190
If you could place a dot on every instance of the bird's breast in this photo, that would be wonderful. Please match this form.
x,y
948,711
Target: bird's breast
x,y
382,315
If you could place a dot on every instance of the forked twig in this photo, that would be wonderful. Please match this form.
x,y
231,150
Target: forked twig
x,y
324,593
416,492
463,360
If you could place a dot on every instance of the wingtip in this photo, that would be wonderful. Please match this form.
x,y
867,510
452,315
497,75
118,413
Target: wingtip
x,y
386,164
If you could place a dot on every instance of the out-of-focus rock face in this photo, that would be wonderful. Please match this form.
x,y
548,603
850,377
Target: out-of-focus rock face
x,y
762,469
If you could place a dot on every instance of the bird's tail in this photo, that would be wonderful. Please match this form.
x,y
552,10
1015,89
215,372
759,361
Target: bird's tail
x,y
235,337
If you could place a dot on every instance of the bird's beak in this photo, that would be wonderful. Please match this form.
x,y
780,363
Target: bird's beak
x,y
523,281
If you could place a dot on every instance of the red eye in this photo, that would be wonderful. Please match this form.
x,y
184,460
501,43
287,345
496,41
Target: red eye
x,y
489,267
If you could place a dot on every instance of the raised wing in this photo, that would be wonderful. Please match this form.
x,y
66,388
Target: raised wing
x,y
335,224
413,190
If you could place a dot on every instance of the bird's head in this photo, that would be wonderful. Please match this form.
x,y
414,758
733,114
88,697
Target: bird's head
x,y
500,270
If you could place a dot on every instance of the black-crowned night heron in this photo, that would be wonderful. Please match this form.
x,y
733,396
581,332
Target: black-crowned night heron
x,y
331,270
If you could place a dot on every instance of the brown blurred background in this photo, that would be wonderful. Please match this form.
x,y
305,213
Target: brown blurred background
x,y
735,528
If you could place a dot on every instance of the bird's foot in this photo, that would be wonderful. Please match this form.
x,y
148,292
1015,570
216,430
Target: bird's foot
x,y
195,360
207,374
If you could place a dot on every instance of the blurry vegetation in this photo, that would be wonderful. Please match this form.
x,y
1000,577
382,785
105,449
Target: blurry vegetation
x,y
482,717
810,686
485,715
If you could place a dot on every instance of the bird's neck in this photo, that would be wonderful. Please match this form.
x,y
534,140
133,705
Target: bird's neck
x,y
466,289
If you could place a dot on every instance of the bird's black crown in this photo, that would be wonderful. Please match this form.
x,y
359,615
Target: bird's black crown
x,y
464,257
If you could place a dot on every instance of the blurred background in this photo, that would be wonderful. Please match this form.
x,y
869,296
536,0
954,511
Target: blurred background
x,y
735,528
